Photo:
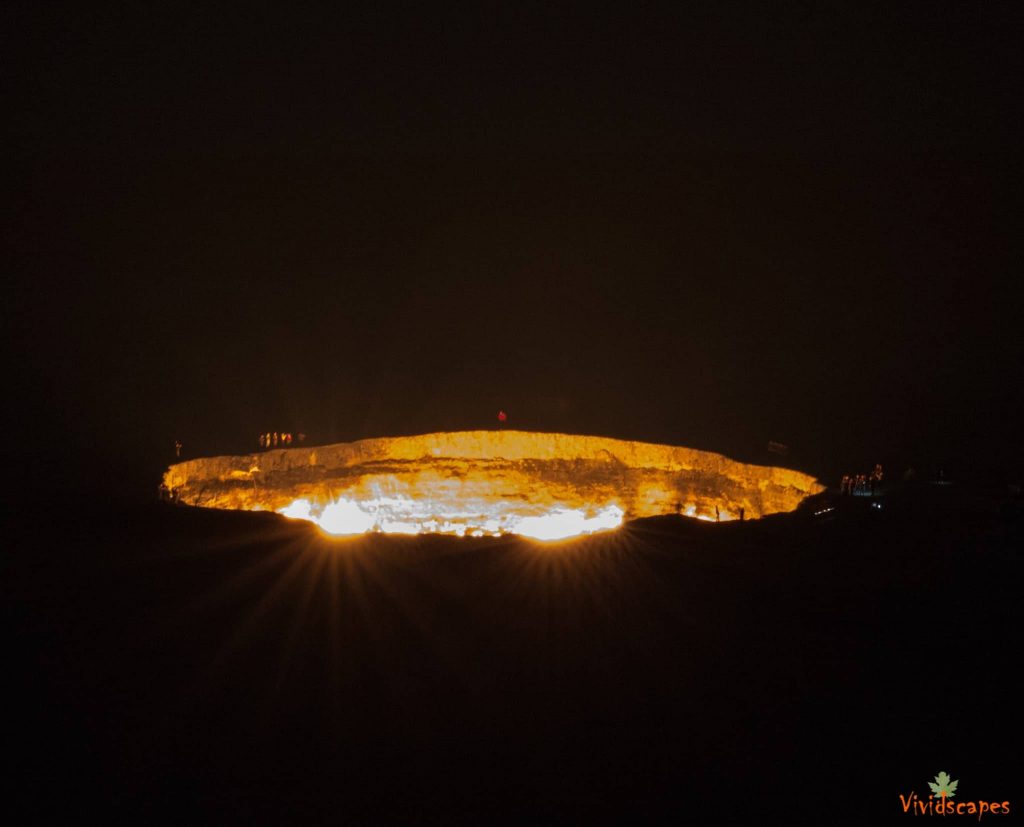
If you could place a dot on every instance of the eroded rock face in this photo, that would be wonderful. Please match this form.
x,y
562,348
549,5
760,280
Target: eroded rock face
x,y
481,472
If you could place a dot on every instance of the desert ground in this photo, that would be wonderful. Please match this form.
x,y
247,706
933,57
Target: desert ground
x,y
172,664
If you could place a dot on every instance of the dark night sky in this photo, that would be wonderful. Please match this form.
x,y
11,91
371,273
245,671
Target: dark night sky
x,y
714,228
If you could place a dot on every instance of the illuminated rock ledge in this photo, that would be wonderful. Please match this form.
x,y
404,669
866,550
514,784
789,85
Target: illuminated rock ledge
x,y
488,482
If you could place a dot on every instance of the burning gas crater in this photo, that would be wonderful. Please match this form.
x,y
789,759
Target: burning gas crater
x,y
488,483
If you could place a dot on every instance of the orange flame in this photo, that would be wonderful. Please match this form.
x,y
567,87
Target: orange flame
x,y
488,483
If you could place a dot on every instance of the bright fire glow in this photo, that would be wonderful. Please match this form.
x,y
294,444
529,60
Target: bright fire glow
x,y
565,522
402,515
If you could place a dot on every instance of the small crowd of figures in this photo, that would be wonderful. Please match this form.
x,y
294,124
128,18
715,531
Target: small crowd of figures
x,y
274,439
862,485
169,495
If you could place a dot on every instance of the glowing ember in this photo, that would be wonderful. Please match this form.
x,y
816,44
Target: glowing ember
x,y
488,483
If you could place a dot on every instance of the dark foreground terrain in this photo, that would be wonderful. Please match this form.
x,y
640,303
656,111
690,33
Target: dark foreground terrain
x,y
171,665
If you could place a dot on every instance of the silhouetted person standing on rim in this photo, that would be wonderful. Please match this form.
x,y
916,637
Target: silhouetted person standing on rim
x,y
177,448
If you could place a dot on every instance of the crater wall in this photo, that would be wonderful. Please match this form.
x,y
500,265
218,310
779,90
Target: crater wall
x,y
526,470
